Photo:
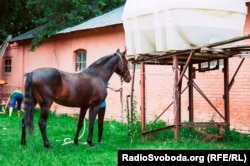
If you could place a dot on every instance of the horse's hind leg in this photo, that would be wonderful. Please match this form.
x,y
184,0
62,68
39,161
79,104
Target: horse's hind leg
x,y
43,122
23,136
80,124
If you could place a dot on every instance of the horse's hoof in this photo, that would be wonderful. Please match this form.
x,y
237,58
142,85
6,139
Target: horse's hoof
x,y
48,146
98,144
76,142
90,143
23,143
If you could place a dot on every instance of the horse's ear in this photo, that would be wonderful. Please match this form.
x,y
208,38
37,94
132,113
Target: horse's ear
x,y
118,50
124,52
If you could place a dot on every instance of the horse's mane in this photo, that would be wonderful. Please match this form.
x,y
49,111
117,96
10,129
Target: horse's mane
x,y
99,62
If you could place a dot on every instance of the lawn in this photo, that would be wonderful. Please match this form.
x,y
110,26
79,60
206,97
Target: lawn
x,y
115,137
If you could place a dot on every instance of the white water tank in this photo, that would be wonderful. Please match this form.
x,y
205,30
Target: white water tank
x,y
152,27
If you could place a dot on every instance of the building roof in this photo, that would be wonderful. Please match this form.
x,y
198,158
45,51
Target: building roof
x,y
26,35
113,17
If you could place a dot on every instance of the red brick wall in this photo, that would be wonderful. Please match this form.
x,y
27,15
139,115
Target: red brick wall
x,y
159,81
240,96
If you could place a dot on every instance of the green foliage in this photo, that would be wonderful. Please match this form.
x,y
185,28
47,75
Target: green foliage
x,y
133,121
15,18
19,16
115,138
59,14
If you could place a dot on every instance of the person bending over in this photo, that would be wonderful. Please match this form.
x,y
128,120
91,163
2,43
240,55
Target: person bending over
x,y
15,99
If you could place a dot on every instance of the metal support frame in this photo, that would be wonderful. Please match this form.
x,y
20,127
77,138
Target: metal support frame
x,y
130,111
143,109
132,93
177,79
226,91
176,97
236,72
177,101
191,92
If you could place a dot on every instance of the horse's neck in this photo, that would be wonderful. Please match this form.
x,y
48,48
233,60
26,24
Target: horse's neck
x,y
104,75
104,72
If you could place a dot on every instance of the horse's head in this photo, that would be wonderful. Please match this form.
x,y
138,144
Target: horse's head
x,y
122,67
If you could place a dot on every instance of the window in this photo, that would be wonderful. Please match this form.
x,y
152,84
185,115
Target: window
x,y
131,66
80,60
7,65
213,64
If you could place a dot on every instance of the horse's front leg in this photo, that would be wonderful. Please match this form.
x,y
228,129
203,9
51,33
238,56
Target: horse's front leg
x,y
101,114
92,116
42,125
23,137
80,124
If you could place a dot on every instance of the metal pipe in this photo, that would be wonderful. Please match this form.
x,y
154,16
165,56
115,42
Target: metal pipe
x,y
190,93
143,114
186,66
176,98
226,91
132,93
232,80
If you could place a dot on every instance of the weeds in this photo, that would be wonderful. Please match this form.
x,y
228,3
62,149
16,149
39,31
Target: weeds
x,y
133,121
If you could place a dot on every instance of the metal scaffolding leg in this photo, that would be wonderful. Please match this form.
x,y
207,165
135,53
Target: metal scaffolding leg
x,y
191,93
143,112
226,91
176,97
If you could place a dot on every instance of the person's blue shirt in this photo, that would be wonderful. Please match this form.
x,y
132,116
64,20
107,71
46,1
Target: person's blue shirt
x,y
103,104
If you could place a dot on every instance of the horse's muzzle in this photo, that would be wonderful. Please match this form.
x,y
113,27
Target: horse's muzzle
x,y
127,79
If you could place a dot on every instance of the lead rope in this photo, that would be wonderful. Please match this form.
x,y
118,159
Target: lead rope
x,y
121,99
69,140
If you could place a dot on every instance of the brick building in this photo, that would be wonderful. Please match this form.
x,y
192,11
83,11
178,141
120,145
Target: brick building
x,y
103,35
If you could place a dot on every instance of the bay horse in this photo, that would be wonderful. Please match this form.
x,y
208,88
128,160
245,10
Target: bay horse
x,y
85,89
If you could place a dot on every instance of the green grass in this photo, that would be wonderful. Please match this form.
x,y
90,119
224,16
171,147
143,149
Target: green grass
x,y
115,137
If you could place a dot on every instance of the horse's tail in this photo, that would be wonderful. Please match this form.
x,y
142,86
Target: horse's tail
x,y
29,104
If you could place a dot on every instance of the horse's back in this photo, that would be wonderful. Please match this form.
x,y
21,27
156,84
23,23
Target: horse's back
x,y
82,89
49,76
46,82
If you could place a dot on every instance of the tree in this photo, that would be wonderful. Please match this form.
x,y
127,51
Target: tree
x,y
51,15
14,18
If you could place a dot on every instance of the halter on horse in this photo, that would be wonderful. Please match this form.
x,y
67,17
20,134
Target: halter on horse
x,y
85,89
